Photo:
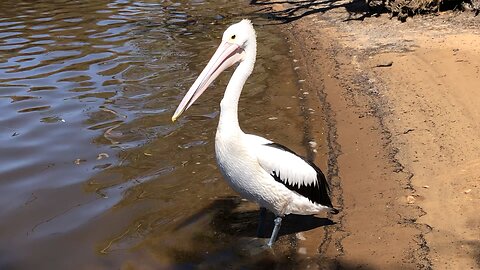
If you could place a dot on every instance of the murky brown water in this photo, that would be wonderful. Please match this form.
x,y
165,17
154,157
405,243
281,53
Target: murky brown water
x,y
93,174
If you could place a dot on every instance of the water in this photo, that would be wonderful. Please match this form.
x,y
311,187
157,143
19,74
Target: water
x,y
93,174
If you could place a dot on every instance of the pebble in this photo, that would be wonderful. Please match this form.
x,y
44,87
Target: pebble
x,y
300,236
102,156
410,199
385,64
79,160
466,191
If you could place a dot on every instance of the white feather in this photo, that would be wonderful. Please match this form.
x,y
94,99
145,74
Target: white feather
x,y
243,161
291,168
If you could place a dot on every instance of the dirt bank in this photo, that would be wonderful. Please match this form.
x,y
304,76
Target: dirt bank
x,y
401,103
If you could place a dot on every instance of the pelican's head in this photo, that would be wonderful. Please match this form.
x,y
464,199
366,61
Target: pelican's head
x,y
238,44
241,34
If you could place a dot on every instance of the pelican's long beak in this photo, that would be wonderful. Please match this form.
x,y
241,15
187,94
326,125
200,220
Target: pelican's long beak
x,y
226,55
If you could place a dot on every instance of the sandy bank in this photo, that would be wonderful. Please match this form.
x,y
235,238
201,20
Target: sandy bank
x,y
402,109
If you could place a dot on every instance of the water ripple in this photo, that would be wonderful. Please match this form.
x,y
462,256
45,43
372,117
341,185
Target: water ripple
x,y
87,146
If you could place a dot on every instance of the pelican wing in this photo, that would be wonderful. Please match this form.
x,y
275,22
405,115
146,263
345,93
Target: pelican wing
x,y
296,173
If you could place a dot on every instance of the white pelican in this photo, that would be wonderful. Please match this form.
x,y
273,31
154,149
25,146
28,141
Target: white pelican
x,y
260,170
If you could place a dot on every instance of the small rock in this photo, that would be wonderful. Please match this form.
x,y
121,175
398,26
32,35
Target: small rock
x,y
218,17
426,186
102,156
385,64
79,160
410,199
302,250
273,118
466,191
300,236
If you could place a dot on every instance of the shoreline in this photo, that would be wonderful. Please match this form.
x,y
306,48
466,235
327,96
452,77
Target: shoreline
x,y
390,210
358,238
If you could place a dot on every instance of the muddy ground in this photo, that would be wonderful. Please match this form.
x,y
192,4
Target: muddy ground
x,y
402,106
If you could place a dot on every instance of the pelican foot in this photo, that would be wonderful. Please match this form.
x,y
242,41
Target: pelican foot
x,y
251,246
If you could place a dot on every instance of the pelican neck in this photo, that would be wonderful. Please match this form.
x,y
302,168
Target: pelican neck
x,y
229,104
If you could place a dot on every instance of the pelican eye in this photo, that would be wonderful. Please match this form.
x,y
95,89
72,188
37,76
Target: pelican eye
x,y
234,36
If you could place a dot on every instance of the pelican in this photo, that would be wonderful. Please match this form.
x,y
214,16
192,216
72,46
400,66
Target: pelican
x,y
260,170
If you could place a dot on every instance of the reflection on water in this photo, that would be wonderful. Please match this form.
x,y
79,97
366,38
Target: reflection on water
x,y
93,173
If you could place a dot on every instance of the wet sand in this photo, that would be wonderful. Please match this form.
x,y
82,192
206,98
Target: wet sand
x,y
401,110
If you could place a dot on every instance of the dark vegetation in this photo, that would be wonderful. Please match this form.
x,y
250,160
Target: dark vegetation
x,y
291,10
404,8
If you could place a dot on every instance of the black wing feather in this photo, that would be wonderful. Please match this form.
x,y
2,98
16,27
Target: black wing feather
x,y
317,193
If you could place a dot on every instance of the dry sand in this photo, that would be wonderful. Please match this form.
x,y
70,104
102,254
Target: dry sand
x,y
402,106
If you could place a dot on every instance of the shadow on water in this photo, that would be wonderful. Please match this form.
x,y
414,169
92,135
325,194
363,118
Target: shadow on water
x,y
233,242
228,220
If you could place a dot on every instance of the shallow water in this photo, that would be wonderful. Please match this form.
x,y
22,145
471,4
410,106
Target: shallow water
x,y
93,174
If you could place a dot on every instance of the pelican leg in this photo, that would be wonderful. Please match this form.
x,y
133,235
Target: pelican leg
x,y
278,223
261,222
